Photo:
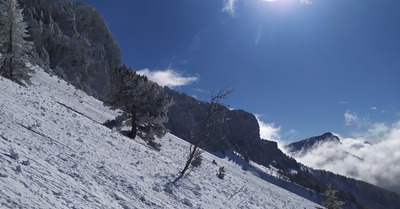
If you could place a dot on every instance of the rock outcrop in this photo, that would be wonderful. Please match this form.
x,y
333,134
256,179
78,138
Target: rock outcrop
x,y
238,132
72,39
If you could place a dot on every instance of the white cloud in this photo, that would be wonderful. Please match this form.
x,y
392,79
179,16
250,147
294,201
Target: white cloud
x,y
229,7
375,133
268,130
373,108
376,162
167,77
351,117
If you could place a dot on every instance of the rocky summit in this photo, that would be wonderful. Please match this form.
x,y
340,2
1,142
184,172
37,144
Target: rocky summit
x,y
307,144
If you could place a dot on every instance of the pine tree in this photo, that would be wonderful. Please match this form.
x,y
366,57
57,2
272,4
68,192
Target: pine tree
x,y
145,104
13,46
331,202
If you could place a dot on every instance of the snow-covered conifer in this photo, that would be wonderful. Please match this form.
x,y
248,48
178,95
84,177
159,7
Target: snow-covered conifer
x,y
143,101
331,202
13,45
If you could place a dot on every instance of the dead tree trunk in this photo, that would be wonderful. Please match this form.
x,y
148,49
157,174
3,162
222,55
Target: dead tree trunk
x,y
132,134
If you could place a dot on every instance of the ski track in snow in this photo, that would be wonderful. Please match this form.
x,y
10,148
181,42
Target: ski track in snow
x,y
54,153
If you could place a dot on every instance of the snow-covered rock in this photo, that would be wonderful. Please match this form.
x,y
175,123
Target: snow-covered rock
x,y
73,39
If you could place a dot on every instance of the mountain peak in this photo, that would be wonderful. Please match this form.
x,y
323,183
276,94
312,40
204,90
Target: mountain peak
x,y
309,143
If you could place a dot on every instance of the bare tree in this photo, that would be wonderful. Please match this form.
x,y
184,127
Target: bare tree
x,y
213,108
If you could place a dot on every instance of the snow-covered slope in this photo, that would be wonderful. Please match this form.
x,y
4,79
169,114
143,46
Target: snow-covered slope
x,y
54,153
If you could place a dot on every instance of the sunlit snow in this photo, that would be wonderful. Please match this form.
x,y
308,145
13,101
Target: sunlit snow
x,y
55,153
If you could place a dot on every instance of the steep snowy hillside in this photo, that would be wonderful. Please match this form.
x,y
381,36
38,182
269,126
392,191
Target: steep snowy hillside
x,y
54,153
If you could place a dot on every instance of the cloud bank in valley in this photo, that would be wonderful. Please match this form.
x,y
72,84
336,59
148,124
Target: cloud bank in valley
x,y
372,156
167,77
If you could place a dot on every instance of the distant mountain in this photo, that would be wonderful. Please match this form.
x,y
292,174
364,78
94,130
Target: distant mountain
x,y
303,146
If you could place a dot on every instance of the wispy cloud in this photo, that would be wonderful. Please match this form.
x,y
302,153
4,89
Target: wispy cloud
x,y
375,162
351,118
373,108
375,132
258,35
229,7
168,77
363,127
197,40
343,102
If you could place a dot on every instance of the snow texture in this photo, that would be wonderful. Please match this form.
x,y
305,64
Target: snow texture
x,y
55,153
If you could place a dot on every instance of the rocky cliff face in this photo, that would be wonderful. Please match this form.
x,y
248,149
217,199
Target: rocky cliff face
x,y
188,115
238,132
73,40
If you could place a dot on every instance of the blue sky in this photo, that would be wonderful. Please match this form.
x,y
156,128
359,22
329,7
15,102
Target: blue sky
x,y
304,67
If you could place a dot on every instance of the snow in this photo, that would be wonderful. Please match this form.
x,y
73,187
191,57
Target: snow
x,y
55,153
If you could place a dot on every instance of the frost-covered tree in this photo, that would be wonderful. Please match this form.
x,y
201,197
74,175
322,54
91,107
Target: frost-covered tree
x,y
331,202
13,45
145,104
